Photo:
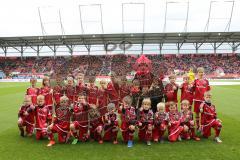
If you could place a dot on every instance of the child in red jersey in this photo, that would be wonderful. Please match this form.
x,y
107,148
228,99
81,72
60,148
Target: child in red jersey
x,y
26,119
174,123
110,121
128,119
187,122
33,91
79,126
57,91
47,92
42,116
102,94
92,92
135,92
70,89
81,86
145,123
124,88
209,118
187,91
96,124
61,122
171,90
160,122
200,86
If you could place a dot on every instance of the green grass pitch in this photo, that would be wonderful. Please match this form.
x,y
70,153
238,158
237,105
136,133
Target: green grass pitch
x,y
12,146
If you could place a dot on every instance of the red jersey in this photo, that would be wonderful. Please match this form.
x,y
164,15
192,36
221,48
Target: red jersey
x,y
160,118
92,95
113,93
70,92
42,115
45,91
200,86
175,120
187,93
145,79
170,93
30,117
102,97
81,88
80,113
33,92
112,118
128,116
146,117
186,117
57,94
63,116
209,113
124,91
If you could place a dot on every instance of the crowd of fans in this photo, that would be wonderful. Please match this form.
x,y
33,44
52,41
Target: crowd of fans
x,y
120,64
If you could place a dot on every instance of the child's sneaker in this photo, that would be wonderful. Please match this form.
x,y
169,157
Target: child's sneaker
x,y
115,142
149,143
51,143
22,132
130,144
218,140
75,141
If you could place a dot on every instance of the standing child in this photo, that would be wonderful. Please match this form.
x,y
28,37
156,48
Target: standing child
x,y
79,126
33,91
171,90
70,90
174,123
61,122
187,90
128,119
145,122
111,124
209,118
200,86
160,123
92,92
188,122
26,119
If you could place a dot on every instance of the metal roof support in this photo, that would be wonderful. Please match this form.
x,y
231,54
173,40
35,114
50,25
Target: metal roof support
x,y
160,48
230,18
41,23
100,5
88,47
38,51
5,51
209,15
54,51
22,52
80,14
60,21
186,23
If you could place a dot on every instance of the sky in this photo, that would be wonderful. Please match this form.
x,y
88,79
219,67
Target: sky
x,y
21,18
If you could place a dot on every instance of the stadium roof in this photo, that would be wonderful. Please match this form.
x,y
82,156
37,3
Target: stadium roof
x,y
99,26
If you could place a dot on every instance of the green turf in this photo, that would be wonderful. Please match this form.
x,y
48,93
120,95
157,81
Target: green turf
x,y
12,146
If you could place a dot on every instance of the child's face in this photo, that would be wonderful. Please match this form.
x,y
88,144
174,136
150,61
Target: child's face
x,y
111,111
80,78
200,73
81,99
46,82
33,82
103,84
40,101
208,98
186,79
144,89
172,108
146,106
70,82
161,109
27,101
172,79
185,107
64,102
58,81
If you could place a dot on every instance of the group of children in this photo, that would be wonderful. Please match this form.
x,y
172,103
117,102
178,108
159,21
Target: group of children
x,y
87,112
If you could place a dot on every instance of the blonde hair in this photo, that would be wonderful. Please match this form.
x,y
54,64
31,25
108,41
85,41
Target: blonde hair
x,y
146,101
128,100
40,97
186,102
172,76
160,105
208,93
64,98
199,69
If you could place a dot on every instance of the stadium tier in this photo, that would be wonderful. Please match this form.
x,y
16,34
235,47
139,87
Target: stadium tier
x,y
216,65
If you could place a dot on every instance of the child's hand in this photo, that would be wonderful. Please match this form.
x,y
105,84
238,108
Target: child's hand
x,y
132,127
174,87
201,110
109,122
141,109
169,124
25,113
140,124
51,91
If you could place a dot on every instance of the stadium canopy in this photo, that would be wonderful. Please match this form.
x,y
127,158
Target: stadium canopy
x,y
79,27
